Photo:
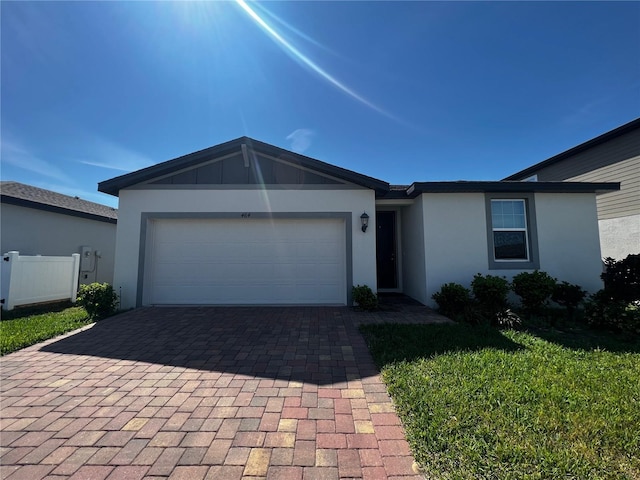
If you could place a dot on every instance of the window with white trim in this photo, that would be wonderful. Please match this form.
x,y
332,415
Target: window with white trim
x,y
509,224
512,237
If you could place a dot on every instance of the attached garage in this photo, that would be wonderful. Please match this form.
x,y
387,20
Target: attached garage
x,y
243,223
243,261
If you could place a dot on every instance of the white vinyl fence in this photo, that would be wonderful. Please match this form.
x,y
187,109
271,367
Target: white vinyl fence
x,y
36,279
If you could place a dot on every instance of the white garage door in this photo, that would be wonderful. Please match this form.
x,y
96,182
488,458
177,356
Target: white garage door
x,y
245,261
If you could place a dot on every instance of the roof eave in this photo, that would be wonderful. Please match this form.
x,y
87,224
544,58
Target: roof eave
x,y
418,188
21,202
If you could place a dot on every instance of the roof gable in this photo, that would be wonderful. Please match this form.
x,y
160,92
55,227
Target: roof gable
x,y
254,169
243,161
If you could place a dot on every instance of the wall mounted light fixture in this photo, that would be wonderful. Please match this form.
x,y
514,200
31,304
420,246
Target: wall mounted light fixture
x,y
364,220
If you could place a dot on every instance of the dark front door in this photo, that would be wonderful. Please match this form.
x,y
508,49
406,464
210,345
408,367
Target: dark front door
x,y
386,250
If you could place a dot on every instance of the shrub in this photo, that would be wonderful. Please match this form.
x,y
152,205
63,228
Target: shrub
x,y
622,278
568,296
364,297
617,305
454,301
98,299
490,293
602,310
534,288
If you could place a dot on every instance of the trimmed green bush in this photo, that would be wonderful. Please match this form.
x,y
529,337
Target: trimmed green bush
x,y
490,293
454,301
602,310
569,296
98,299
617,306
534,289
364,297
622,278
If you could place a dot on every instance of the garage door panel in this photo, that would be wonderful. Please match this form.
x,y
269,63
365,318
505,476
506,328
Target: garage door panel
x,y
246,262
318,273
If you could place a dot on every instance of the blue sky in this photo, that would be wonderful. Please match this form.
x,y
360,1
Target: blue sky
x,y
403,92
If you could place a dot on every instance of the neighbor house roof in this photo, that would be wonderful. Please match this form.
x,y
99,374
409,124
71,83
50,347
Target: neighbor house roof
x,y
605,137
16,193
114,185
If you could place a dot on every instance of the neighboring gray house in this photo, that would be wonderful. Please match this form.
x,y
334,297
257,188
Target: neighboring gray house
x,y
246,222
35,221
611,157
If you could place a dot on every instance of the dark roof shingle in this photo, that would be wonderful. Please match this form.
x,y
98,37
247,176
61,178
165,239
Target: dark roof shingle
x,y
33,196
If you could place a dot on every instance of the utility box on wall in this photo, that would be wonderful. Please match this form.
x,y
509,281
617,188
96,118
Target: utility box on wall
x,y
90,263
86,259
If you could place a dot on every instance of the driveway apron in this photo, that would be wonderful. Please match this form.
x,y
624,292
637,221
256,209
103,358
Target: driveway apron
x,y
205,392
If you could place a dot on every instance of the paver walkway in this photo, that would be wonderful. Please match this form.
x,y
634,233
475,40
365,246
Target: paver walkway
x,y
205,392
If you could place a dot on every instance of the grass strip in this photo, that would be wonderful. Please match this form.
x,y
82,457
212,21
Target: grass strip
x,y
483,403
20,332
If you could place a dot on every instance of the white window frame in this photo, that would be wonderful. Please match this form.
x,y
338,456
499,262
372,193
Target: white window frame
x,y
512,229
532,262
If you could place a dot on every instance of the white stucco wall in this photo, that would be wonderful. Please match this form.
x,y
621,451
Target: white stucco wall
x,y
568,238
413,252
134,202
37,232
456,239
620,237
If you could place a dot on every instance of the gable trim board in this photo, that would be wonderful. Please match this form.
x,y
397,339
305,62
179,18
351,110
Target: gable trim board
x,y
151,186
443,230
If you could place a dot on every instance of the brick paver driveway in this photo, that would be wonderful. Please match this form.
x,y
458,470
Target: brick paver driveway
x,y
211,392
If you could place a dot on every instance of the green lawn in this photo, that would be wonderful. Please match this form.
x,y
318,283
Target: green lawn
x,y
484,403
19,329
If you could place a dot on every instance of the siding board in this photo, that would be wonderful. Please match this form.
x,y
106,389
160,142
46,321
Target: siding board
x,y
624,202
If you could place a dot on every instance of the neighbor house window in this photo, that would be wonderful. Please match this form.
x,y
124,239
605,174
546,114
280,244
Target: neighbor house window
x,y
511,231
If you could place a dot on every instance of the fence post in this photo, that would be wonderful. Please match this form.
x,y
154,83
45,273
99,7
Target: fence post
x,y
76,275
8,261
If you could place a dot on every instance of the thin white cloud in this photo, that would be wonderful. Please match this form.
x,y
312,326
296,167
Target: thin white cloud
x,y
20,157
300,139
107,154
585,112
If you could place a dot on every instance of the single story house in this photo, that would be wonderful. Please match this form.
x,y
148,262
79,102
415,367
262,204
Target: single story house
x,y
35,221
613,156
246,222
